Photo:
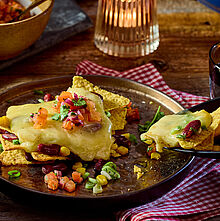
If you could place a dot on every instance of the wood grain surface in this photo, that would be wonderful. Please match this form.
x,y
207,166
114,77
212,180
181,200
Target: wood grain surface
x,y
185,39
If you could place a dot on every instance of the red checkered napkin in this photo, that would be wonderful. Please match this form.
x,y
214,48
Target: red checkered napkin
x,y
197,197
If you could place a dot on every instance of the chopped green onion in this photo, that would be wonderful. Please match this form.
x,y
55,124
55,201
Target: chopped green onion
x,y
97,188
92,180
16,142
176,130
1,147
111,164
108,114
85,175
112,172
40,100
89,185
181,136
14,173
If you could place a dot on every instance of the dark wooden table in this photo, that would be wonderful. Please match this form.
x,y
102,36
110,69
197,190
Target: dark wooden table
x,y
185,39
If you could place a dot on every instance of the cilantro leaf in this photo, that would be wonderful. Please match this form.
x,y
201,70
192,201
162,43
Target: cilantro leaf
x,y
64,110
56,117
79,102
145,127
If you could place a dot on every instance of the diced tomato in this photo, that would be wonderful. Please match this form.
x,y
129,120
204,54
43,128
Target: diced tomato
x,y
53,184
93,116
49,176
77,177
132,115
63,181
40,118
151,149
70,186
68,125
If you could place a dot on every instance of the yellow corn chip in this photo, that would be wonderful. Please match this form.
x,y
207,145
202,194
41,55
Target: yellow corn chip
x,y
205,139
13,157
118,118
8,145
216,121
44,157
110,100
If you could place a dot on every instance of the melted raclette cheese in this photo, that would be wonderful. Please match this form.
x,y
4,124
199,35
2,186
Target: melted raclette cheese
x,y
86,145
163,132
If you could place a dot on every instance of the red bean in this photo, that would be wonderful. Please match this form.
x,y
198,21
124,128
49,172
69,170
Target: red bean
x,y
50,149
4,131
60,166
98,166
48,97
93,127
47,169
29,157
9,136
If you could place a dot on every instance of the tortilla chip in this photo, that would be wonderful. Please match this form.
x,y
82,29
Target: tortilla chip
x,y
8,145
13,157
44,157
216,122
205,139
110,100
118,118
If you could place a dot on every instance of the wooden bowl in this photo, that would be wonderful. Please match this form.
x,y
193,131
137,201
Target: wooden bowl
x,y
17,36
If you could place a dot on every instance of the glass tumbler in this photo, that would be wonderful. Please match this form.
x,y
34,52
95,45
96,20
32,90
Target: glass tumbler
x,y
214,71
127,28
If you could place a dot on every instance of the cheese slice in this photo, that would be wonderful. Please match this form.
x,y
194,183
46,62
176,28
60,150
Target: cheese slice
x,y
164,132
87,145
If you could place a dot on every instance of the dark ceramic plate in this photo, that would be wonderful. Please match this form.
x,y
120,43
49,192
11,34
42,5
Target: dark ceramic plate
x,y
160,177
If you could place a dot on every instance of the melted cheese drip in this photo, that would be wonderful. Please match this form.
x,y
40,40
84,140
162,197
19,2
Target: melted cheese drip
x,y
86,145
162,131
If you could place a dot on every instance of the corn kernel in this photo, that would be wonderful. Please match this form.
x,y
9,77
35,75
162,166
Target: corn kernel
x,y
64,151
102,180
4,121
155,156
114,146
81,170
122,150
115,154
127,135
77,165
137,169
139,175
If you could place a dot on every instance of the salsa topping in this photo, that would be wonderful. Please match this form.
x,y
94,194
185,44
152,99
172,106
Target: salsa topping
x,y
75,111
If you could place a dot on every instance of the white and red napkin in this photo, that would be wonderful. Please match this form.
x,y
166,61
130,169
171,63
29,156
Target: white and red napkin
x,y
197,197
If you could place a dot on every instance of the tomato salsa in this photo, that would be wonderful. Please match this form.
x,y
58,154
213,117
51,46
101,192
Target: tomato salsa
x,y
9,10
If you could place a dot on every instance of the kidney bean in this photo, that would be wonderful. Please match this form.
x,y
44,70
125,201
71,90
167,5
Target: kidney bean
x,y
98,166
4,131
93,127
47,169
48,97
60,166
191,128
50,149
29,157
122,141
9,136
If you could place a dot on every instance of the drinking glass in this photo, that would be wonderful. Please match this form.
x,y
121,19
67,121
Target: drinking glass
x,y
214,71
127,28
